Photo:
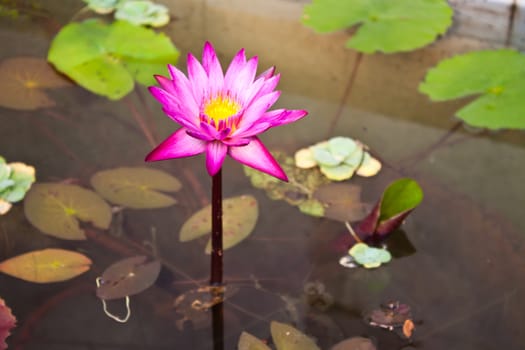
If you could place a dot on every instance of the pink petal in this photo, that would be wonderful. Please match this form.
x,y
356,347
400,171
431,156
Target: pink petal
x,y
183,89
256,110
166,84
237,64
198,78
283,116
243,78
213,68
215,154
255,155
267,73
177,145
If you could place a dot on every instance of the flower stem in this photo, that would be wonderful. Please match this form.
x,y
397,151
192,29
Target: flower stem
x,y
216,230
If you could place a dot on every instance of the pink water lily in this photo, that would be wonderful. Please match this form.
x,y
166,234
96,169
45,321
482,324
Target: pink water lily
x,y
221,113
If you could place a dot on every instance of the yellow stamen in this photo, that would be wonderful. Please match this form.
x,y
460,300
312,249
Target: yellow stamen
x,y
221,108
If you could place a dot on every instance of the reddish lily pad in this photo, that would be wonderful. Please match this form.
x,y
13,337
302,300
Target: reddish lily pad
x,y
45,266
136,187
22,80
239,218
249,342
397,202
7,322
128,277
342,202
55,209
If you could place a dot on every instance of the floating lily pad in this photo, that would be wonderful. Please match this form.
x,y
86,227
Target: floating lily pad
x,y
397,202
45,266
23,80
369,257
103,59
102,7
286,337
56,208
342,202
7,322
140,12
136,187
498,76
238,221
355,343
127,277
15,181
384,25
249,342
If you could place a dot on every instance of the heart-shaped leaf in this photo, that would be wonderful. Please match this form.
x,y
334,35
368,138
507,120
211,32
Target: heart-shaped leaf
x,y
56,208
128,277
249,342
136,188
7,322
286,337
22,80
105,60
355,343
498,76
239,218
384,25
45,266
396,203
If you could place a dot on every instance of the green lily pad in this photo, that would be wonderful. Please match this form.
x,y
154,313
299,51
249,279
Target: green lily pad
x,y
106,59
384,25
342,147
286,337
141,12
238,221
312,207
55,209
249,342
497,75
369,257
136,187
339,172
102,7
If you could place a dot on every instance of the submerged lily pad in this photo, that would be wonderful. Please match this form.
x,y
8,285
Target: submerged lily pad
x,y
397,202
45,266
127,277
23,80
286,337
55,209
103,59
342,202
136,187
238,221
249,342
369,257
354,343
143,12
497,75
384,25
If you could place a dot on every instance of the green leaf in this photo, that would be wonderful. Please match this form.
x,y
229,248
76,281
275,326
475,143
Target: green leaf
x,y
286,337
369,257
55,209
384,25
249,342
498,75
105,59
400,196
239,218
45,266
136,187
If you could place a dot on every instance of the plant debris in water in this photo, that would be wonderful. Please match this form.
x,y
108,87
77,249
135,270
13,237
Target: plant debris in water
x,y
392,316
383,25
47,265
103,59
23,80
15,180
136,187
7,322
501,87
338,158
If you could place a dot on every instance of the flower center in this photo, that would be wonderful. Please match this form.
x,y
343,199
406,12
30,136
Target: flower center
x,y
221,108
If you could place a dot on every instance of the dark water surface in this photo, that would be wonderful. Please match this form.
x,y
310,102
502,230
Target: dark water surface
x,y
464,282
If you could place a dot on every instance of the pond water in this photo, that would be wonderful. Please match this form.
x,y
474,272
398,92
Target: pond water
x,y
464,282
